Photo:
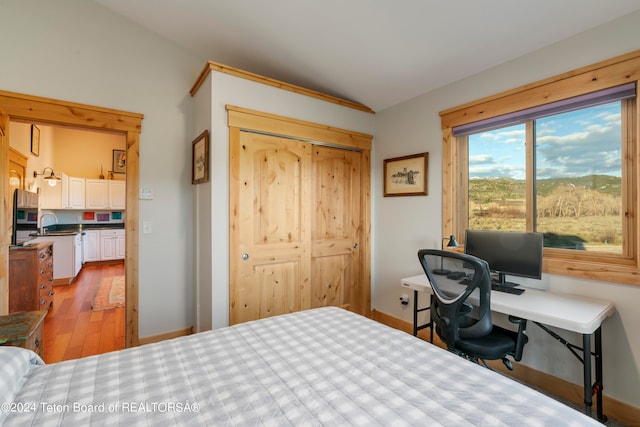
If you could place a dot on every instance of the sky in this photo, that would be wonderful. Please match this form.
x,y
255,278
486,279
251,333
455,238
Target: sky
x,y
573,144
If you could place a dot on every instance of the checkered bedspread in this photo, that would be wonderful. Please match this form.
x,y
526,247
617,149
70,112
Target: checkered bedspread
x,y
319,367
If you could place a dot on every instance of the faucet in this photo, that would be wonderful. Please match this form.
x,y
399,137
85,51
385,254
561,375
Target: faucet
x,y
42,215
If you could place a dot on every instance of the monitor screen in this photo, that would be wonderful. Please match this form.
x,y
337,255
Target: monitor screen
x,y
507,252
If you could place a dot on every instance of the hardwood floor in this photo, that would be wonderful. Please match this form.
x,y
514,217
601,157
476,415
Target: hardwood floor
x,y
72,329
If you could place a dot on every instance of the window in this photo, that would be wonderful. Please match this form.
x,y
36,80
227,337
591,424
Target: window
x,y
576,179
558,157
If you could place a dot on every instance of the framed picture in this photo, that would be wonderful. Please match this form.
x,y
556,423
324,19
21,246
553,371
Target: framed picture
x,y
406,176
200,158
35,140
119,161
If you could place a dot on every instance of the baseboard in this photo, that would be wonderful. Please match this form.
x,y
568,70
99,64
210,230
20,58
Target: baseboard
x,y
165,336
612,408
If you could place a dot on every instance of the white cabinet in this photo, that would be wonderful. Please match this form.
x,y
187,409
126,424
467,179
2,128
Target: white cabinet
x,y
103,194
104,245
96,194
91,245
50,197
117,194
77,254
112,244
68,193
73,192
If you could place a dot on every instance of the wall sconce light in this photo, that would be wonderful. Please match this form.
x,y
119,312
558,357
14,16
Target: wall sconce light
x,y
52,179
453,243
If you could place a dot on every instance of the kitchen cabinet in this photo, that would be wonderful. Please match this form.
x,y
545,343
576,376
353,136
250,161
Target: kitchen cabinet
x,y
31,277
91,246
104,245
112,244
104,194
73,192
117,194
96,194
69,193
77,254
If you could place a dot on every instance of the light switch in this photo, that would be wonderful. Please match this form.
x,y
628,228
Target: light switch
x,y
146,227
146,193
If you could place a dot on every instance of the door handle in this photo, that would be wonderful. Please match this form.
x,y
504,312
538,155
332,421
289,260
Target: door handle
x,y
355,246
245,256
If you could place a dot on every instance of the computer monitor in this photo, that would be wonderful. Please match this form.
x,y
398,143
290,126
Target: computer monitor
x,y
507,252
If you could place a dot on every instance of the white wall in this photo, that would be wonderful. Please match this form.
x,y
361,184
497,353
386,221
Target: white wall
x,y
224,89
76,50
403,225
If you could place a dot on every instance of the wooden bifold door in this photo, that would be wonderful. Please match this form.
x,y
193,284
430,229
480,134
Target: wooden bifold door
x,y
297,226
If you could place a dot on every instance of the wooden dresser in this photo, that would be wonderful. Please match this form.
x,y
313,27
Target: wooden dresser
x,y
23,330
31,277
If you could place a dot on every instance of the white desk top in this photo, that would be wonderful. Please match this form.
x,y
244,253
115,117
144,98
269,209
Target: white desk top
x,y
566,311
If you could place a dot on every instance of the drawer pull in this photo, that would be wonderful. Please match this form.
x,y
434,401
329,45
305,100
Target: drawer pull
x,y
43,302
42,271
50,293
37,343
43,286
43,256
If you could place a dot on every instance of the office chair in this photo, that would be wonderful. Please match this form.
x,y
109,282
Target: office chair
x,y
463,323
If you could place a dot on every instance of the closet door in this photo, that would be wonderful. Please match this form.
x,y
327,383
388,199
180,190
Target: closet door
x,y
270,254
335,229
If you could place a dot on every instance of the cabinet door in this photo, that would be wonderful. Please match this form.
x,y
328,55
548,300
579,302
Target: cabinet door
x,y
76,193
117,194
96,194
120,246
91,246
107,246
50,197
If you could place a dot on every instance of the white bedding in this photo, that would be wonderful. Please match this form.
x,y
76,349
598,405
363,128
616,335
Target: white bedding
x,y
318,367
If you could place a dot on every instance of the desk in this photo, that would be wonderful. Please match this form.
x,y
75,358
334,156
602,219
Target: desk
x,y
573,313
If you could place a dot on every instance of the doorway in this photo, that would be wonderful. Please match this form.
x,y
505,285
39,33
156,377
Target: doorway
x,y
29,108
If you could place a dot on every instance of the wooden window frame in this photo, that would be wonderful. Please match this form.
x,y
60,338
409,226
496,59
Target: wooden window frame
x,y
624,268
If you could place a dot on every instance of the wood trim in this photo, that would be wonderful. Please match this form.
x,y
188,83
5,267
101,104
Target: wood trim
x,y
6,202
601,75
20,107
166,336
613,408
214,66
244,118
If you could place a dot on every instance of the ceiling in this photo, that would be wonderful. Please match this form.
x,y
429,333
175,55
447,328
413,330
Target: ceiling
x,y
375,52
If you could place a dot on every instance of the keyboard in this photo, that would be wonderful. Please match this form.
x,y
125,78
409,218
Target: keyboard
x,y
507,289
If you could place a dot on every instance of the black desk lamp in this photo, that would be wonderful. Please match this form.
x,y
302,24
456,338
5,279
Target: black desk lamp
x,y
452,244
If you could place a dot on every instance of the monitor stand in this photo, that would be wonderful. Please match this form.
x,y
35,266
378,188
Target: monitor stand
x,y
501,281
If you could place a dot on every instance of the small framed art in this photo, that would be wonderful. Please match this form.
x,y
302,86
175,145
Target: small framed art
x,y
200,158
35,140
406,176
119,161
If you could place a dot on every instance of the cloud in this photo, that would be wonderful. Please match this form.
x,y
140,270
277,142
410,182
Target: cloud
x,y
579,143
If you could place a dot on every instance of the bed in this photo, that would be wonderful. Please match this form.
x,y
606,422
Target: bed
x,y
323,366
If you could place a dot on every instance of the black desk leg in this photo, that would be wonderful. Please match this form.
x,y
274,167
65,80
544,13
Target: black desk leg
x,y
598,385
415,313
586,365
593,388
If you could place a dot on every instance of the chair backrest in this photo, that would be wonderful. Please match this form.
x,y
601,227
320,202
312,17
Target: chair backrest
x,y
451,308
